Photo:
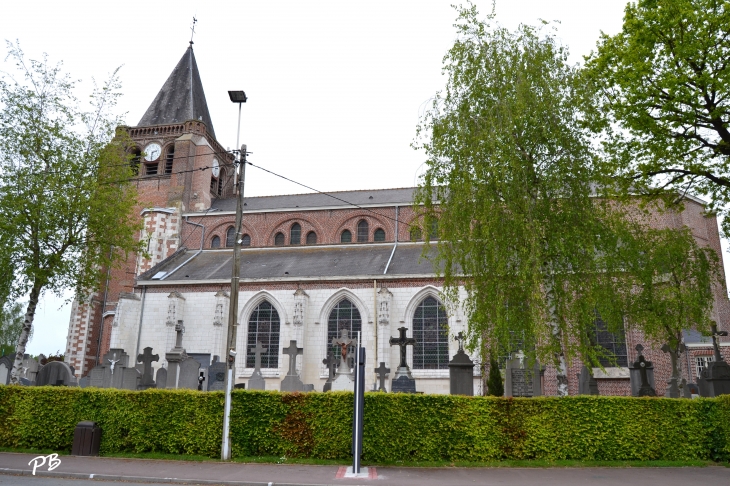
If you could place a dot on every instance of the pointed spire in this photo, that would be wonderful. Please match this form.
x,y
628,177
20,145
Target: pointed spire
x,y
181,97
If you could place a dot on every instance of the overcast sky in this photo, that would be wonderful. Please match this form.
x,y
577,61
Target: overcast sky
x,y
335,88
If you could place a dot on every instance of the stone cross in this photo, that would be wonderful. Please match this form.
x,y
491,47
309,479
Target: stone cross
x,y
147,358
382,372
460,337
642,364
179,329
402,341
344,342
293,351
257,352
715,342
330,362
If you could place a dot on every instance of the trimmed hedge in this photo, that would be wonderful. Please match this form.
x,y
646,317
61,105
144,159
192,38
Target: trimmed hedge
x,y
397,426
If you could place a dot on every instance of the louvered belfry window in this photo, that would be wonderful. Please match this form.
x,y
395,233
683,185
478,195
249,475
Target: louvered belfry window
x,y
430,330
362,231
264,326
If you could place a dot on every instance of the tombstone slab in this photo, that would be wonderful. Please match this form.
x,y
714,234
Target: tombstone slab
x,y
56,373
161,378
189,373
343,382
461,371
6,364
130,378
84,382
587,384
216,376
330,362
292,382
521,380
403,384
382,373
642,376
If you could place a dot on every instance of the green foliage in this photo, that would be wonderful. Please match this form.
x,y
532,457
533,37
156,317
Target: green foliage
x,y
398,427
65,206
495,386
11,323
663,84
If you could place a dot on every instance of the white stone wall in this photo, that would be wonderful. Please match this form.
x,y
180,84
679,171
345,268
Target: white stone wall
x,y
200,330
126,324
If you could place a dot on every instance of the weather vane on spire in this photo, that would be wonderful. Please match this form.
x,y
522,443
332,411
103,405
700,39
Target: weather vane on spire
x,y
192,29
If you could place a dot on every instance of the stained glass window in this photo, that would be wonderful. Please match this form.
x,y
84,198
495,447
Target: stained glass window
x,y
362,231
263,326
344,316
430,330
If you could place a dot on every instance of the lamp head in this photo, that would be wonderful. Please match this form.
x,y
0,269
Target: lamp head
x,y
237,96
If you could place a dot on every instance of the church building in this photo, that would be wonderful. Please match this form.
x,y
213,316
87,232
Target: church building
x,y
312,265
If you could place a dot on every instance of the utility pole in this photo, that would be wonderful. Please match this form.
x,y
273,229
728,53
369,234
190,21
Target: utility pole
x,y
233,307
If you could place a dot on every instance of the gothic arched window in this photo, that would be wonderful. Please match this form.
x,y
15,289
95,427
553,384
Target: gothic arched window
x,y
246,240
230,236
362,231
279,239
379,235
295,234
346,237
311,238
215,242
430,330
263,326
343,316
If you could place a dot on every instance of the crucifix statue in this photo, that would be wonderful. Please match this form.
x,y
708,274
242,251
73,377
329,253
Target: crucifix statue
x,y
402,341
460,337
716,342
645,390
293,351
113,362
345,344
382,372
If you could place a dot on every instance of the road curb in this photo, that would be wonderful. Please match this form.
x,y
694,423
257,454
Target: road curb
x,y
143,479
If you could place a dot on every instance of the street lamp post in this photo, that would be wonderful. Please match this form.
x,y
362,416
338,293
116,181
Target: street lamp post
x,y
240,98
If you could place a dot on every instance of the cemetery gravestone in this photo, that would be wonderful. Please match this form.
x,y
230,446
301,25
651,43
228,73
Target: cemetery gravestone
x,y
642,376
257,380
403,382
216,375
345,379
330,362
520,381
291,381
161,378
175,357
130,378
6,364
189,373
84,382
587,384
29,368
382,373
56,373
147,358
715,379
461,371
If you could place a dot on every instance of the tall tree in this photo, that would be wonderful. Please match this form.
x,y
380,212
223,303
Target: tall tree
x,y
510,178
64,199
664,88
11,322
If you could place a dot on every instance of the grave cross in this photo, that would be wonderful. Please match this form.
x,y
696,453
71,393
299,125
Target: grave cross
x,y
179,329
147,358
257,352
293,351
402,341
645,389
460,337
113,362
715,342
330,362
382,372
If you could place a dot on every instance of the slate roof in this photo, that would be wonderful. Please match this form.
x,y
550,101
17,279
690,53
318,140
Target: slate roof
x,y
353,260
181,98
386,197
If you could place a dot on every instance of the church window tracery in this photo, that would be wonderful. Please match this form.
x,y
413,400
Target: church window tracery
x,y
430,330
346,237
230,236
295,234
363,231
215,242
264,326
311,238
279,239
343,316
379,235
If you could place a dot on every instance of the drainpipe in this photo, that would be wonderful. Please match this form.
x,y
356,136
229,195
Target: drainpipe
x,y
141,316
202,239
397,212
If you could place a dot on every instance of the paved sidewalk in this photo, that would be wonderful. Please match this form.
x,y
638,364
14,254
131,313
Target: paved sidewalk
x,y
187,472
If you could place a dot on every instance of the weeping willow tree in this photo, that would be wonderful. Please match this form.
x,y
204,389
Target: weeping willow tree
x,y
511,178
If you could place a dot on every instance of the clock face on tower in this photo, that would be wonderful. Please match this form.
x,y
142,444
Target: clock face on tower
x,y
152,152
216,168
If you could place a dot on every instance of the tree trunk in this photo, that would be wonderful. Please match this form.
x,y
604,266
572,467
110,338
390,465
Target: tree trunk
x,y
27,326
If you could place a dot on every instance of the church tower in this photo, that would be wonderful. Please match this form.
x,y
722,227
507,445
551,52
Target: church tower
x,y
180,167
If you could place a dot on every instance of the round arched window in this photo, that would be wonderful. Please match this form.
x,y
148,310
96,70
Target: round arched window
x,y
363,231
379,235
230,236
215,242
311,238
295,234
279,239
346,237
246,240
